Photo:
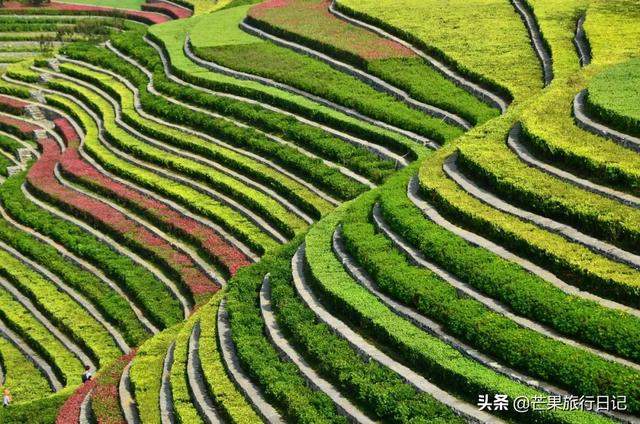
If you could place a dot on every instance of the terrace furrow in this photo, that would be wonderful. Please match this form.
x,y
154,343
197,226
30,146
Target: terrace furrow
x,y
368,350
185,304
451,169
188,154
428,325
537,40
44,367
126,397
582,42
375,82
240,377
129,187
418,259
344,13
588,124
433,215
105,158
181,247
42,179
197,387
375,149
166,399
77,297
515,144
150,159
214,67
288,352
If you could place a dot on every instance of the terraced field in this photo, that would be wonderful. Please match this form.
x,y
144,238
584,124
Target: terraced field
x,y
311,211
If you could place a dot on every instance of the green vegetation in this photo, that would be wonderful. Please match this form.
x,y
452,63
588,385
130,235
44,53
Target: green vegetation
x,y
298,193
146,374
123,4
171,37
183,406
22,378
114,307
60,309
224,392
280,381
483,38
428,355
250,54
156,301
310,23
614,95
575,263
64,364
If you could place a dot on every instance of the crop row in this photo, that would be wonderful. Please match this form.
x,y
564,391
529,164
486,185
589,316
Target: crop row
x,y
500,170
307,137
224,392
319,79
575,263
183,405
125,97
524,293
170,39
209,242
613,97
146,374
381,392
81,9
105,402
113,307
24,379
282,219
292,190
280,381
61,310
383,58
65,366
43,182
156,301
426,354
310,138
324,177
189,198
551,133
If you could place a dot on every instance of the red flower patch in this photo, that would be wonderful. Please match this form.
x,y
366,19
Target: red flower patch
x,y
41,178
210,241
11,105
105,402
15,125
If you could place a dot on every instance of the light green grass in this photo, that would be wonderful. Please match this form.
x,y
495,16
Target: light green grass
x,y
483,36
22,378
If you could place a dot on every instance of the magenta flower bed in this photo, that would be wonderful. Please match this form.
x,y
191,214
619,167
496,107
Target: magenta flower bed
x,y
170,9
42,179
210,241
11,105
